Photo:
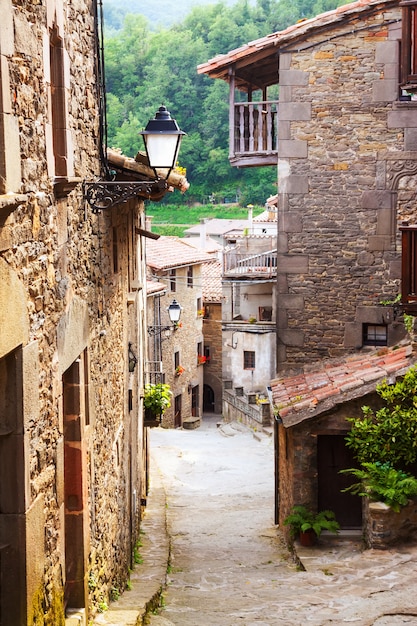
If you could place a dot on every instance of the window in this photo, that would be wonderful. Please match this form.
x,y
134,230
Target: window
x,y
58,103
248,360
265,313
173,280
409,45
409,269
375,335
190,276
176,359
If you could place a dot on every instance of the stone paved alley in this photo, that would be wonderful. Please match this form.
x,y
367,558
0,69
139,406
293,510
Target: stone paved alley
x,y
229,566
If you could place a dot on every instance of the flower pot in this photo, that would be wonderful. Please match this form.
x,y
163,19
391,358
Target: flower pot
x,y
151,419
307,538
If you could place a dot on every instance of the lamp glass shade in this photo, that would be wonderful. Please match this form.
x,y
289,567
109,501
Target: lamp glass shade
x,y
162,150
174,312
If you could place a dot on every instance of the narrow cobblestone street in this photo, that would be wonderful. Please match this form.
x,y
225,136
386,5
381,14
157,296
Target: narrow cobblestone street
x,y
228,564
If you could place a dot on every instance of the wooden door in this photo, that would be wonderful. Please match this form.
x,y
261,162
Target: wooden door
x,y
332,456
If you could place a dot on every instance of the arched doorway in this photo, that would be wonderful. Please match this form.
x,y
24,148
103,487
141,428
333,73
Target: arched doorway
x,y
208,399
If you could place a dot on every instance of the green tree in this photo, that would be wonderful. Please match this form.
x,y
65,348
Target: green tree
x,y
388,435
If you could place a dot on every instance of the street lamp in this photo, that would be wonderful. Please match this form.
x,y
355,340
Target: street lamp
x,y
174,312
162,138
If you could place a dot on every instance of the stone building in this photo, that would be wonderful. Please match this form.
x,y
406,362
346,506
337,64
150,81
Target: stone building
x,y
180,349
72,329
212,334
343,136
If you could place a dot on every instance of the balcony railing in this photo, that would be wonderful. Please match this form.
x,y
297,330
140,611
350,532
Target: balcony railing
x,y
255,133
242,265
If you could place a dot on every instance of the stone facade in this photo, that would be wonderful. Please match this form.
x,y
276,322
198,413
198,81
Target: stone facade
x,y
346,161
71,436
344,183
212,323
385,528
177,266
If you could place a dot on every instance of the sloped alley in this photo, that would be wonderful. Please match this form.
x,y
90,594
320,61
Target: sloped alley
x,y
229,565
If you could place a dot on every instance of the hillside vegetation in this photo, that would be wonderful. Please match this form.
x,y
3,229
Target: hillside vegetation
x,y
146,68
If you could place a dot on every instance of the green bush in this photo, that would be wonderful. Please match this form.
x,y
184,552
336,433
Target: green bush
x,y
381,482
157,397
389,434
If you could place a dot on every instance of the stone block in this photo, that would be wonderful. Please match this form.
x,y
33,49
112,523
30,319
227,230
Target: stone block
x,y
402,118
376,200
293,338
384,222
410,139
293,148
292,264
387,52
295,111
191,423
384,90
293,78
380,242
294,183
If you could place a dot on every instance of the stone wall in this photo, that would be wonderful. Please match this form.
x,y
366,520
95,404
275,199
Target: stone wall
x,y
184,341
385,528
69,304
345,184
212,331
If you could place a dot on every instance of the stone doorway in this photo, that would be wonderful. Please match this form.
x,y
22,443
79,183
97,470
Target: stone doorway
x,y
74,489
333,456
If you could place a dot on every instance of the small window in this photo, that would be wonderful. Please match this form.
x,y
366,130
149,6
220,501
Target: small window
x,y
265,313
248,360
190,276
375,335
176,359
173,280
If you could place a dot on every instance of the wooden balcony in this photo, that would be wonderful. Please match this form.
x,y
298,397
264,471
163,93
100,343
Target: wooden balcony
x,y
254,133
246,267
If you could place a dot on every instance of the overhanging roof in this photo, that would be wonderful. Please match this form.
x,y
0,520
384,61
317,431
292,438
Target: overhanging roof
x,y
255,64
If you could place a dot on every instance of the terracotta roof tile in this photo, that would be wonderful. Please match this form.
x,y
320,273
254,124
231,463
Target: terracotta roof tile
x,y
168,252
324,385
212,281
217,67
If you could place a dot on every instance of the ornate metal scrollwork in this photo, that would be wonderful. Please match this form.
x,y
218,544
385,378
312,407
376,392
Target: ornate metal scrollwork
x,y
102,195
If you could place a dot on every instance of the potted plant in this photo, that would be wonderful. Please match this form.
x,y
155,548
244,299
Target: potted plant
x,y
156,399
179,370
308,526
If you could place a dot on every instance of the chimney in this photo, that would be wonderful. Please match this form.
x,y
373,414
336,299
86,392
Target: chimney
x,y
148,222
250,218
203,233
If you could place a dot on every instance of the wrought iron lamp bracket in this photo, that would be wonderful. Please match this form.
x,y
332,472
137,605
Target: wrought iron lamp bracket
x,y
158,330
102,195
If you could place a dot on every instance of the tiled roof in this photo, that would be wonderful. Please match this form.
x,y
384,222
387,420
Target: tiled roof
x,y
212,281
325,385
258,49
154,287
169,252
211,245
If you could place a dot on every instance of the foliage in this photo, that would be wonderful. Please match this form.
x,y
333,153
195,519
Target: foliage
x,y
302,519
148,66
157,397
381,482
389,434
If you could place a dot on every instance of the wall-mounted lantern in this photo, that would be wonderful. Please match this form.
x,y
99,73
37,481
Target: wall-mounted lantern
x,y
174,313
162,138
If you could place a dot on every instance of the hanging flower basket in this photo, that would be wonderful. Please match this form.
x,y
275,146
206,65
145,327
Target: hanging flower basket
x,y
179,370
201,359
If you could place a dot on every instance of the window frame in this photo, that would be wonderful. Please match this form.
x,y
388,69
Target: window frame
x,y
249,360
409,45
